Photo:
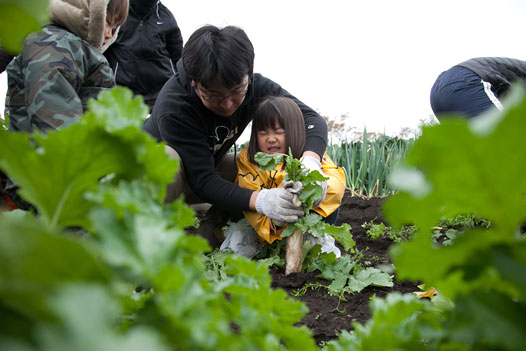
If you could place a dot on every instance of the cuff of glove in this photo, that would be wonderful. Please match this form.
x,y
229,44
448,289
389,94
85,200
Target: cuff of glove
x,y
311,163
260,200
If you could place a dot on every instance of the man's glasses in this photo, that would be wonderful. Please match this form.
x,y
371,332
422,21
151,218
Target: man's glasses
x,y
220,98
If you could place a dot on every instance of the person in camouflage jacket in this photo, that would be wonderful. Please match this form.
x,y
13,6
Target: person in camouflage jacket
x,y
62,66
59,69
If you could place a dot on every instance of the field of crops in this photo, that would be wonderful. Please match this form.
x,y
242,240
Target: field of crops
x,y
367,163
435,258
106,265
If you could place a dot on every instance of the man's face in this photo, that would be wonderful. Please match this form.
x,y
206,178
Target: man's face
x,y
221,101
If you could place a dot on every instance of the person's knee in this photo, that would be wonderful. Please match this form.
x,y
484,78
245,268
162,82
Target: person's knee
x,y
177,187
227,167
171,152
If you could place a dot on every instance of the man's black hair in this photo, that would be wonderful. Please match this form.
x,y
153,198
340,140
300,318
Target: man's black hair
x,y
226,54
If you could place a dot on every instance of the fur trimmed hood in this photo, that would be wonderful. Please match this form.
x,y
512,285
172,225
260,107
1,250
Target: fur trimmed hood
x,y
85,18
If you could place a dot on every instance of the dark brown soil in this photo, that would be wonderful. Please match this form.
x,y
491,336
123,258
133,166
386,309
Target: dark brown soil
x,y
328,315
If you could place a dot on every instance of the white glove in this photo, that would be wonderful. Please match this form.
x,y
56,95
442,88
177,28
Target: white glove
x,y
313,164
278,204
327,243
293,188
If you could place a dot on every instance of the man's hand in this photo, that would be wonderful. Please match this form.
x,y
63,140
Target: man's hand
x,y
278,204
312,164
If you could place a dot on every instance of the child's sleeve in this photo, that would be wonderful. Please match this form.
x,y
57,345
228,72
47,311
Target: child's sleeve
x,y
250,177
335,187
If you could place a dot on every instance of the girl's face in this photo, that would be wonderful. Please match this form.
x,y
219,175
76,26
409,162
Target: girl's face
x,y
272,140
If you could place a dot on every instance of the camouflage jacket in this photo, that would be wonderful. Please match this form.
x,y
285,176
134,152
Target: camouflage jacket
x,y
52,79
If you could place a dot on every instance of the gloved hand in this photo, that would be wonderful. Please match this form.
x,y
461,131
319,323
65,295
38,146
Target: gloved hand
x,y
293,188
278,204
313,164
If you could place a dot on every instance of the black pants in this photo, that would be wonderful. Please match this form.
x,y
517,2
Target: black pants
x,y
331,219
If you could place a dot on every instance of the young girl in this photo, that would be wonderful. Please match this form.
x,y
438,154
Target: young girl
x,y
278,125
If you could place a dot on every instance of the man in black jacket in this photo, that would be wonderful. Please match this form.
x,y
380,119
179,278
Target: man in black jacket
x,y
473,86
205,107
147,48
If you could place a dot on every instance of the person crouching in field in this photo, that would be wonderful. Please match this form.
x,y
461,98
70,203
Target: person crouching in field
x,y
59,69
62,66
278,125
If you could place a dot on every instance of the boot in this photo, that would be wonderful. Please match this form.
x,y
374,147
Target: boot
x,y
210,226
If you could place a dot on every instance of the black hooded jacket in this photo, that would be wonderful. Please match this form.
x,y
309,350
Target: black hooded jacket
x,y
501,72
147,48
202,138
5,58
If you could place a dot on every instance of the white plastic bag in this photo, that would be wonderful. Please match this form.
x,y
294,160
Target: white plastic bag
x,y
241,238
328,244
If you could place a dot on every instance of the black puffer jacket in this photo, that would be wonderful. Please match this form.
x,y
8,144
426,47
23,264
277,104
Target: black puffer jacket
x,y
501,72
147,48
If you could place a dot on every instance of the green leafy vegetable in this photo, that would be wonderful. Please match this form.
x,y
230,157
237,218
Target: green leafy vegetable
x,y
29,16
458,167
132,278
55,172
312,222
369,276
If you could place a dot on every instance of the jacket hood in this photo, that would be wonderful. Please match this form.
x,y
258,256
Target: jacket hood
x,y
85,18
142,7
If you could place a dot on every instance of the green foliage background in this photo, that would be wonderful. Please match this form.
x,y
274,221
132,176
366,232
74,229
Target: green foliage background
x,y
131,278
63,288
18,18
458,168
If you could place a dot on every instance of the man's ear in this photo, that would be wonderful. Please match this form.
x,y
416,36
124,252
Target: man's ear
x,y
193,83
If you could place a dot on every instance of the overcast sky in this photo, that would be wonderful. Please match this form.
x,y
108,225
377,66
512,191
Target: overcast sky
x,y
373,60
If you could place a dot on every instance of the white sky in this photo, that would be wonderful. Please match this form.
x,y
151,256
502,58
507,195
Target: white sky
x,y
373,60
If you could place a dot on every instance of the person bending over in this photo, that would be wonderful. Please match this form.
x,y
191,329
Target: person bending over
x,y
203,109
475,86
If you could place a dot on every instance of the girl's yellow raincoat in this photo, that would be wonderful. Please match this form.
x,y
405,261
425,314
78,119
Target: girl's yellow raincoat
x,y
249,176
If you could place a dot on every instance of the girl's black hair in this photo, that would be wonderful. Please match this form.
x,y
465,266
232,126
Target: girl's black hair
x,y
284,112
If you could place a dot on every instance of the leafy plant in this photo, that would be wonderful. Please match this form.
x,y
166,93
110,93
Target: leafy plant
x,y
465,222
445,237
449,228
18,19
377,230
53,177
479,277
368,163
348,277
132,279
312,222
398,323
